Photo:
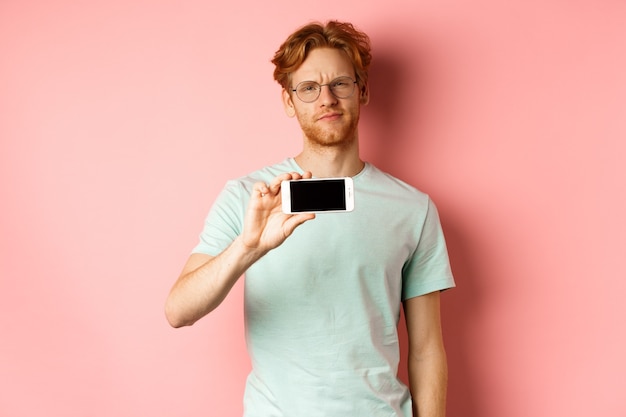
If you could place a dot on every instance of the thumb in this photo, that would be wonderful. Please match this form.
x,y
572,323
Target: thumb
x,y
296,220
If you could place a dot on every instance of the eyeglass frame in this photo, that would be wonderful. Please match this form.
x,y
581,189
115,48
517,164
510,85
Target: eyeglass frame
x,y
319,92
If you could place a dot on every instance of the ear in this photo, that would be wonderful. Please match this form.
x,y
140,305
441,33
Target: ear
x,y
290,110
365,95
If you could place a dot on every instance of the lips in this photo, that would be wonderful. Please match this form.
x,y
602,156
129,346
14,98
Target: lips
x,y
329,116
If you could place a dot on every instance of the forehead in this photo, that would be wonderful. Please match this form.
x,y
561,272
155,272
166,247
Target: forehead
x,y
324,64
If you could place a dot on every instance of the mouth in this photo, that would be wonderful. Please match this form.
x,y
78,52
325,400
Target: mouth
x,y
330,116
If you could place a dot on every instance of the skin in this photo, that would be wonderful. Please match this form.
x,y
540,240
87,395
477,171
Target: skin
x,y
330,149
329,125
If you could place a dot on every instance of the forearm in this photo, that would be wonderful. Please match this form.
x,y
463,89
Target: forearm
x,y
203,286
428,375
206,281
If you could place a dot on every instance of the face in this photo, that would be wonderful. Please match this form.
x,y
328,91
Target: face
x,y
328,121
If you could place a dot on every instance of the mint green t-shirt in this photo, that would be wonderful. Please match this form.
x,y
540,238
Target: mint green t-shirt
x,y
322,309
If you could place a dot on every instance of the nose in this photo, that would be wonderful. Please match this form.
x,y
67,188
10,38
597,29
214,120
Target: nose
x,y
327,98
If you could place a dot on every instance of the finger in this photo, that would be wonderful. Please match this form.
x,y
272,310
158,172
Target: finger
x,y
275,185
297,176
260,189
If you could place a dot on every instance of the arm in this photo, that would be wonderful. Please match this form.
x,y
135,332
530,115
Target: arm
x,y
206,280
428,369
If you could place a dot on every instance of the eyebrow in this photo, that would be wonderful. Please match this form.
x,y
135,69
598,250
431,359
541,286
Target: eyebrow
x,y
313,81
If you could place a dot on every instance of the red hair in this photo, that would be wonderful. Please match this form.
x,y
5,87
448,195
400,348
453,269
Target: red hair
x,y
333,34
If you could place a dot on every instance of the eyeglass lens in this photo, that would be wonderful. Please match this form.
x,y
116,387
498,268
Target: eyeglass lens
x,y
309,91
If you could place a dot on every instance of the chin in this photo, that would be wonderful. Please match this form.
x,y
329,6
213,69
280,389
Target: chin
x,y
332,142
342,138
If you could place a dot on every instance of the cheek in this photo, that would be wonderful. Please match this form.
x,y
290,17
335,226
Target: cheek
x,y
303,120
302,113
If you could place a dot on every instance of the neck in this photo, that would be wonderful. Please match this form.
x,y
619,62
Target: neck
x,y
327,162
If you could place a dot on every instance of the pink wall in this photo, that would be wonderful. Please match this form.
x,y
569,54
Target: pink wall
x,y
121,120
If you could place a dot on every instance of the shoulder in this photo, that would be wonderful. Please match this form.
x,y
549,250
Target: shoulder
x,y
375,180
265,174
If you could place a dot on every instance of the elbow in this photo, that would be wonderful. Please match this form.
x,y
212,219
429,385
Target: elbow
x,y
174,316
175,323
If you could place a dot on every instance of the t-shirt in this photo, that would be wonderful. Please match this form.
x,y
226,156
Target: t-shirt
x,y
322,309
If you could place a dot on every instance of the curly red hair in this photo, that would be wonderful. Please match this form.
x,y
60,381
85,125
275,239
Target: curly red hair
x,y
333,34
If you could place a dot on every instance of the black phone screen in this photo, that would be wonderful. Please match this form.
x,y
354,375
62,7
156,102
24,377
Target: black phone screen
x,y
322,195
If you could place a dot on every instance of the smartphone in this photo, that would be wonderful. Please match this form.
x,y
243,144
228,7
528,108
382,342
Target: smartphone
x,y
317,195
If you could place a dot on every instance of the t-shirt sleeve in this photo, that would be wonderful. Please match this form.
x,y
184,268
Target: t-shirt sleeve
x,y
225,219
428,269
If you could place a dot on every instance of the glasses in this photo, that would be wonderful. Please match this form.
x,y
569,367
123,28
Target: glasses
x,y
309,91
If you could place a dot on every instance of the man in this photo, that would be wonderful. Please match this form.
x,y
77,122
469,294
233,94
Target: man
x,y
323,293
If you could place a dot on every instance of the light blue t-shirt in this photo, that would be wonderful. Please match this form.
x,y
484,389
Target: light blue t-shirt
x,y
322,309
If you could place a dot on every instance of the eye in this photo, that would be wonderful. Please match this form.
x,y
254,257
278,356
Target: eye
x,y
342,84
307,88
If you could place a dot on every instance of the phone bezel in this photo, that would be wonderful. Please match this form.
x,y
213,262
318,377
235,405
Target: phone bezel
x,y
285,191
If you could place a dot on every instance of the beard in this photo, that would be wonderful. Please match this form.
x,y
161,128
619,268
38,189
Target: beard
x,y
332,135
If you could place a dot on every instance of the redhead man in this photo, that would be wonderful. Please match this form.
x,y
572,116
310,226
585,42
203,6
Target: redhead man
x,y
323,292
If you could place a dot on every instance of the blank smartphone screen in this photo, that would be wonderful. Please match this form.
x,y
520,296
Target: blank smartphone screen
x,y
318,195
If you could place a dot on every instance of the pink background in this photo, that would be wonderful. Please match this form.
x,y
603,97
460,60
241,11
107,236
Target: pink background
x,y
121,120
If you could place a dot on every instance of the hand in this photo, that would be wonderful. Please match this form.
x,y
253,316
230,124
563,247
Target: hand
x,y
265,224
